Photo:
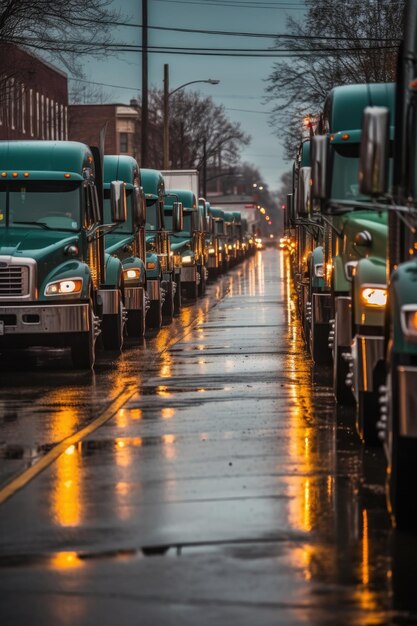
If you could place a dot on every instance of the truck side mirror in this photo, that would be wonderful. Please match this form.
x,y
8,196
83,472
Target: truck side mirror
x,y
177,217
319,154
373,162
139,206
118,201
209,224
303,193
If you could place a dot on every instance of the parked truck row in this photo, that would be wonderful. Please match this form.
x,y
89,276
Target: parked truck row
x,y
351,224
95,249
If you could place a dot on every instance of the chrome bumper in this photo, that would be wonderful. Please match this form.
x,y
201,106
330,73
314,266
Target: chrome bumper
x,y
366,353
407,397
134,298
321,307
212,263
111,301
343,312
38,319
189,274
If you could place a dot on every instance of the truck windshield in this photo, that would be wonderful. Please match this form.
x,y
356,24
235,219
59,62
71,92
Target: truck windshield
x,y
55,205
125,227
345,181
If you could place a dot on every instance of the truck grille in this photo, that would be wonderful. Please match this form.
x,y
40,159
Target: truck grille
x,y
14,281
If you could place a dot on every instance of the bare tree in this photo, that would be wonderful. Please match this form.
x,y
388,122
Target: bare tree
x,y
194,120
336,43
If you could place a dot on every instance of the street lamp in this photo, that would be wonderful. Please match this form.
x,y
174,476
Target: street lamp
x,y
167,95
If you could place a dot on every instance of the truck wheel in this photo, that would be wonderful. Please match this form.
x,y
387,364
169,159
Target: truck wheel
x,y
202,283
191,291
112,330
154,315
135,324
342,392
177,297
83,348
168,306
367,416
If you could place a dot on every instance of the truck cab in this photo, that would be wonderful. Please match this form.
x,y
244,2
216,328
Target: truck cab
x,y
161,274
53,289
127,241
188,245
355,250
216,258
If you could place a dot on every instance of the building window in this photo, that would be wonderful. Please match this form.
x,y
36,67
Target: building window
x,y
23,106
52,130
47,135
31,112
11,103
123,143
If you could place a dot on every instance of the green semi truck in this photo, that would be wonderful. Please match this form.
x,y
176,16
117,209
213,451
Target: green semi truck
x,y
56,284
127,241
355,248
162,276
398,398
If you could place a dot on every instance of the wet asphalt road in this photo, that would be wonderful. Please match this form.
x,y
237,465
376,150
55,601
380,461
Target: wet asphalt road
x,y
222,487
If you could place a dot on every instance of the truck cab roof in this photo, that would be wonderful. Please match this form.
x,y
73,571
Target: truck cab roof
x,y
153,184
187,197
121,167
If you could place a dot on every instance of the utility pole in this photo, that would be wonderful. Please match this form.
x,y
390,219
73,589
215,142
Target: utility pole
x,y
144,113
205,168
166,117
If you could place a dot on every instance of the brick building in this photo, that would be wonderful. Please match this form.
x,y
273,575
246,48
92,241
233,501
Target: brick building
x,y
33,96
121,121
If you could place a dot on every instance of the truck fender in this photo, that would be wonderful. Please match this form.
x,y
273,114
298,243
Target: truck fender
x,y
340,283
113,271
136,263
68,269
155,272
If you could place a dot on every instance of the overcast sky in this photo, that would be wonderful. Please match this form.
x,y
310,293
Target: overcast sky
x,y
242,85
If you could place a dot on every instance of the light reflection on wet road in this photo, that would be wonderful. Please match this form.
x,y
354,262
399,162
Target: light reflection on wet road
x,y
228,490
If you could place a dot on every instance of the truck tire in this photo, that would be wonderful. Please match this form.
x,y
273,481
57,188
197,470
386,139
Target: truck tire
x,y
177,298
367,416
112,330
83,348
202,283
168,306
154,315
342,392
135,324
191,291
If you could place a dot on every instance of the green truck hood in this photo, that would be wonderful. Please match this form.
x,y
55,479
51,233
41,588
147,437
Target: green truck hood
x,y
373,222
36,244
114,242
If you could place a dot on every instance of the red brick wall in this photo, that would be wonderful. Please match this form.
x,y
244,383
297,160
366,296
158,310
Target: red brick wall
x,y
86,120
27,86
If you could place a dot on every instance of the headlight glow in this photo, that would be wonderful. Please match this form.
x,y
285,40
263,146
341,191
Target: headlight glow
x,y
132,274
211,251
64,287
374,296
187,259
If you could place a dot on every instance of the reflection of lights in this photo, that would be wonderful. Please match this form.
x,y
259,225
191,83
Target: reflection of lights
x,y
167,413
70,450
135,414
122,488
65,560
365,549
168,439
120,443
161,390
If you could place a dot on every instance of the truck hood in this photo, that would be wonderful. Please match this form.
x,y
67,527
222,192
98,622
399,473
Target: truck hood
x,y
36,244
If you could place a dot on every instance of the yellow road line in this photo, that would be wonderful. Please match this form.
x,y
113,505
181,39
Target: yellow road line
x,y
29,474
26,476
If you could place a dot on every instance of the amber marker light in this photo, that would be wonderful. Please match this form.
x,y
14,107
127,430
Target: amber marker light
x,y
4,174
15,174
412,320
345,136
26,174
67,175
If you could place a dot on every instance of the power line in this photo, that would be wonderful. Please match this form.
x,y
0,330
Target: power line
x,y
91,82
249,111
238,5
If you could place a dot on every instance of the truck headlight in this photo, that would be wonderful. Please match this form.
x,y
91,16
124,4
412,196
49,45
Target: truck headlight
x,y
409,321
70,286
211,251
187,259
374,296
131,274
318,270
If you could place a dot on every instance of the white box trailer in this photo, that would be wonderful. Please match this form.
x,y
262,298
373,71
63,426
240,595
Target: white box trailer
x,y
182,179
